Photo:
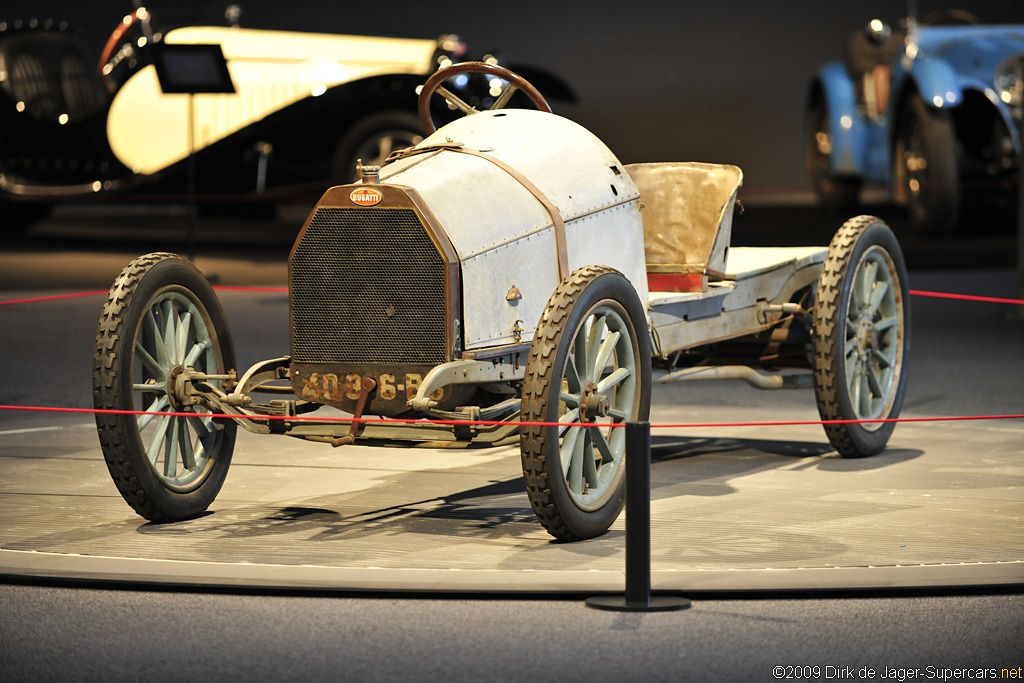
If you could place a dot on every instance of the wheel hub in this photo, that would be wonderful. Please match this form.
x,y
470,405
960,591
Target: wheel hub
x,y
175,388
180,392
593,404
865,338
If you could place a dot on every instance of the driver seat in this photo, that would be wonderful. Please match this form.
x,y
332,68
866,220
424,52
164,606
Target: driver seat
x,y
687,211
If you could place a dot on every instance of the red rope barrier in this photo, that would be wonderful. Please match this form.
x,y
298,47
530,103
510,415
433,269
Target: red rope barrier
x,y
284,290
496,423
52,298
966,297
55,297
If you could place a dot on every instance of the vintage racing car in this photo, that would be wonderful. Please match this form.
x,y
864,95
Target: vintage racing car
x,y
931,108
290,113
506,269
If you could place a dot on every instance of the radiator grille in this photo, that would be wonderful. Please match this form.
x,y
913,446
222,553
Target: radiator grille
x,y
368,286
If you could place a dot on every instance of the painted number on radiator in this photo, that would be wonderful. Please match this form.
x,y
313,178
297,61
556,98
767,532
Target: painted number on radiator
x,y
412,382
353,383
386,387
330,387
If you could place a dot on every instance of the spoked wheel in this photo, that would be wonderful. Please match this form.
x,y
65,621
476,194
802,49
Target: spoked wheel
x,y
590,364
926,169
160,318
835,192
372,140
861,336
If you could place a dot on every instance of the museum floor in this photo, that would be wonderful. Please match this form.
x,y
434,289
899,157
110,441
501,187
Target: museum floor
x,y
734,509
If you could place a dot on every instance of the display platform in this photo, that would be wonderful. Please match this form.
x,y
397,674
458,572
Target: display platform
x,y
733,509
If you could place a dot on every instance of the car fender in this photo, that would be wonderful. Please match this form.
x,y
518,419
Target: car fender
x,y
849,132
937,83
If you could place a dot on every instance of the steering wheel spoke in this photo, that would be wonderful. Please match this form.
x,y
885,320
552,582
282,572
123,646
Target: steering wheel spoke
x,y
505,96
435,83
457,101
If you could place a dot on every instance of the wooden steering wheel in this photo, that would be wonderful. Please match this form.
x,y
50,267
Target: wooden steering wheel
x,y
515,82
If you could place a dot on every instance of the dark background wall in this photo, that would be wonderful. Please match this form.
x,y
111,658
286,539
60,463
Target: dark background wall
x,y
708,81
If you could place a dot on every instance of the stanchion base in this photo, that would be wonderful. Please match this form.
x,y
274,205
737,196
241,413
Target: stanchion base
x,y
657,603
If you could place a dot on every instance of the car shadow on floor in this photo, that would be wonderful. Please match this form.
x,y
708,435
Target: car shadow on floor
x,y
712,461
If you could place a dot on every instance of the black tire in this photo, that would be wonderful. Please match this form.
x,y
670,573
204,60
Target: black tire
x,y
835,192
155,292
604,298
372,139
861,337
926,169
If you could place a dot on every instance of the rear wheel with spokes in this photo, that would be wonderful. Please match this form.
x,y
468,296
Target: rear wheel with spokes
x,y
861,336
162,319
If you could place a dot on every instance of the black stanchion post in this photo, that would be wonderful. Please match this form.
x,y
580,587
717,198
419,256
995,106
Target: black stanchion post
x,y
638,513
638,533
1018,312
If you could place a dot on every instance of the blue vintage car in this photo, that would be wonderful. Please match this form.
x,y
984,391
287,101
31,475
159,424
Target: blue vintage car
x,y
931,108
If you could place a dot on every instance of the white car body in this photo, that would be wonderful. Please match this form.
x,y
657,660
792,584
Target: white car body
x,y
270,70
505,237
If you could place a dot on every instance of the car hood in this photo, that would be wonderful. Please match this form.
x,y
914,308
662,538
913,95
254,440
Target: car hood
x,y
973,51
393,55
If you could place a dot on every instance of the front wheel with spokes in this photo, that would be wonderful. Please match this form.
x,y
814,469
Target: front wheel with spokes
x,y
161,322
590,372
861,336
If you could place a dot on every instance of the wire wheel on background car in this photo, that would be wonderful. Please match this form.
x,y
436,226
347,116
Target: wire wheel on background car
x,y
835,192
372,140
162,316
861,336
590,363
926,172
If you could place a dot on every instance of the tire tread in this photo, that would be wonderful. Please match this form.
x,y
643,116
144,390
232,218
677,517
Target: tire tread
x,y
540,373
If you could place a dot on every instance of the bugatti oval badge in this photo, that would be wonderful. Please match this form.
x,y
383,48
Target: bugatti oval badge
x,y
365,196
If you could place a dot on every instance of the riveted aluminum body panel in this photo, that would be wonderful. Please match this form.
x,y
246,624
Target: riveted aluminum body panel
x,y
503,235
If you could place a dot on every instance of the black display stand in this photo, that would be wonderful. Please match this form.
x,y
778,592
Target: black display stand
x,y
1018,312
191,70
638,533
